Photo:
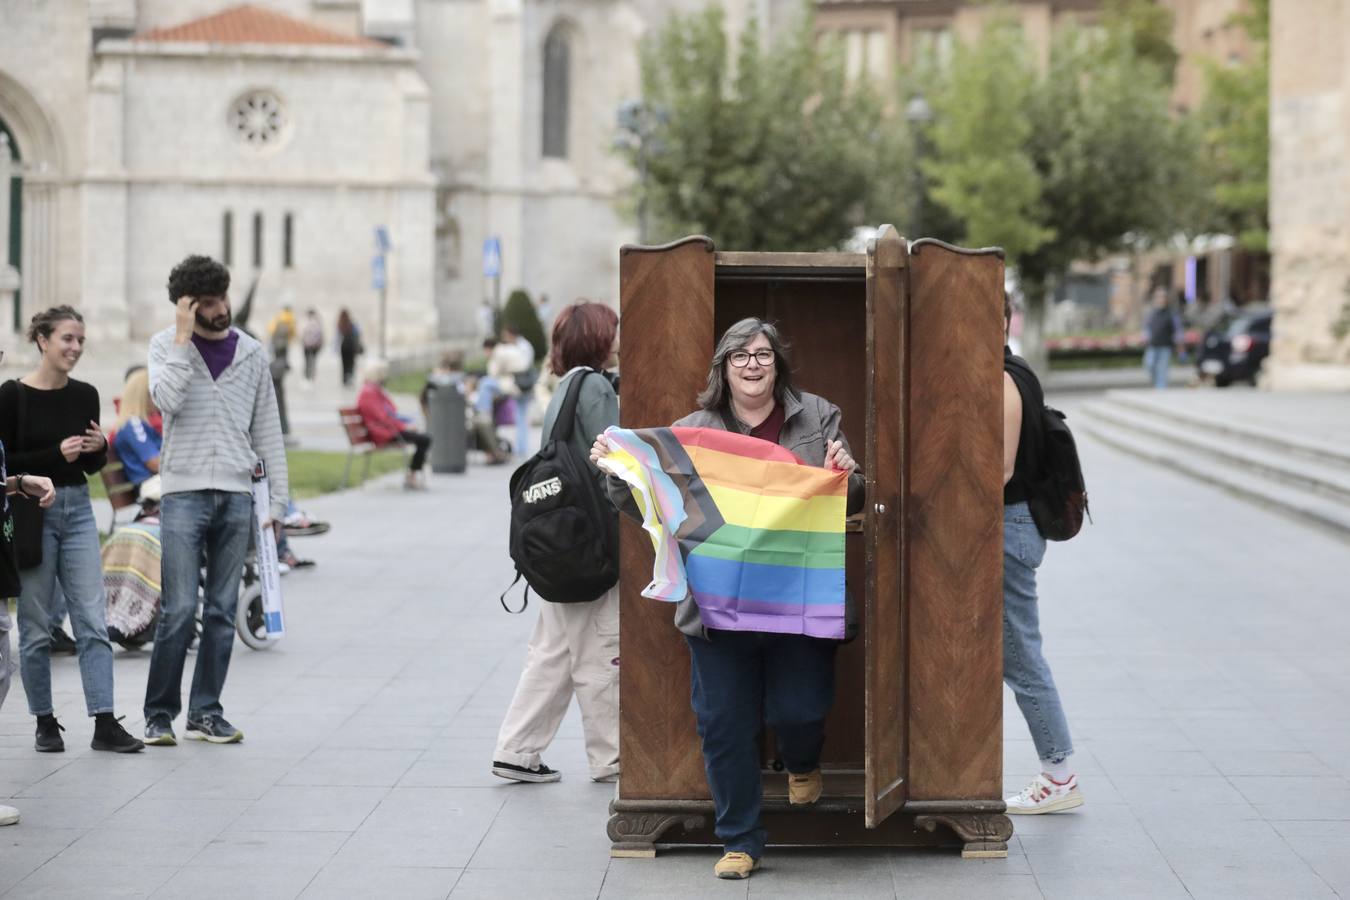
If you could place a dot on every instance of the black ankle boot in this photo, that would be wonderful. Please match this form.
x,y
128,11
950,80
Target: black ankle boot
x,y
111,736
49,735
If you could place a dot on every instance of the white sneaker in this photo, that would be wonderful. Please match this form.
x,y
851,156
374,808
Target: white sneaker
x,y
1045,796
9,815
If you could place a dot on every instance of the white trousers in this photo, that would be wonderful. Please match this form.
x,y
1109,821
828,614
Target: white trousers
x,y
574,650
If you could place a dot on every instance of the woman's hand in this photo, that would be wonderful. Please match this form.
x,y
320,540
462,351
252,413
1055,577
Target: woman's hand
x,y
38,487
93,440
837,458
599,450
72,447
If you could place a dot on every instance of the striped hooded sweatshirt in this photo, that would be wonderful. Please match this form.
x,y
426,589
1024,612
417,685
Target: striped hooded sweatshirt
x,y
216,429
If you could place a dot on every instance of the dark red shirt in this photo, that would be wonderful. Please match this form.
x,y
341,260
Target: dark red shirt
x,y
769,429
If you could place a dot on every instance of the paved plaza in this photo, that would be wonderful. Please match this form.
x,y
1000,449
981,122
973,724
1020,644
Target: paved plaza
x,y
1200,643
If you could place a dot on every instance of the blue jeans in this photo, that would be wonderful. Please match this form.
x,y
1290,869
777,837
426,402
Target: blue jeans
x,y
740,680
523,424
196,527
1024,667
1157,360
70,554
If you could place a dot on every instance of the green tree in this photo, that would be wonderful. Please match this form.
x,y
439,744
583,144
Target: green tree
x,y
774,152
519,314
980,166
1111,168
1235,121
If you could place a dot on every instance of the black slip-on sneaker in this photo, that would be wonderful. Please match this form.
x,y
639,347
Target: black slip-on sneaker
x,y
538,775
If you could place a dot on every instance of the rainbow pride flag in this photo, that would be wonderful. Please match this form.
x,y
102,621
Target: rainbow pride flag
x,y
747,528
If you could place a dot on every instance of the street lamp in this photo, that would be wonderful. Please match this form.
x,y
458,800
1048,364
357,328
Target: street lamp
x,y
637,123
918,114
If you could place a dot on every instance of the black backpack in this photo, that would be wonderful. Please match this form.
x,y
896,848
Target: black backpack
x,y
1059,501
564,530
1056,492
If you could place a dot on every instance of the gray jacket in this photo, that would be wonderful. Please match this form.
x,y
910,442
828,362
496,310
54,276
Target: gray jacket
x,y
809,423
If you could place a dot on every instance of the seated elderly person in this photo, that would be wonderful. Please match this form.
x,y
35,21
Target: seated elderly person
x,y
386,426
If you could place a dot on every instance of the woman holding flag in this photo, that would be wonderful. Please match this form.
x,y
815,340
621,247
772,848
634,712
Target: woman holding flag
x,y
742,679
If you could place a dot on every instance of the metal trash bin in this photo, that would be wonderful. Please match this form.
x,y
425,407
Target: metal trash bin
x,y
445,421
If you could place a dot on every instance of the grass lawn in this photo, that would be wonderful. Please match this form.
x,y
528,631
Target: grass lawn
x,y
407,383
313,472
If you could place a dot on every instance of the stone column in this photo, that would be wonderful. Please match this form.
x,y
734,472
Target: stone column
x,y
1310,195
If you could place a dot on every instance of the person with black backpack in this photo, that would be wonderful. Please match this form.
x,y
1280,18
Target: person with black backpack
x,y
1030,487
564,541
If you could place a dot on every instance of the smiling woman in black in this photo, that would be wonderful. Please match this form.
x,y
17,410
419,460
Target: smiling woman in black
x,y
49,425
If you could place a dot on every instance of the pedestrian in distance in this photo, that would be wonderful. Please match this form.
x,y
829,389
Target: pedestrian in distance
x,y
348,344
386,426
1025,669
49,424
1163,333
574,648
29,489
311,342
526,376
742,680
220,419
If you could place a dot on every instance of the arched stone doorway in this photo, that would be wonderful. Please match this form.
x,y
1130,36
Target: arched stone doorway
x,y
31,168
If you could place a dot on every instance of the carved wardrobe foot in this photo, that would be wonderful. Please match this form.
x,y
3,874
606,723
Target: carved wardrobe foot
x,y
634,834
985,834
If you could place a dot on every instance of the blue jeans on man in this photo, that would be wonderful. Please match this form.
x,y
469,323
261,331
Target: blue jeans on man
x,y
1157,361
71,560
197,527
1024,667
739,681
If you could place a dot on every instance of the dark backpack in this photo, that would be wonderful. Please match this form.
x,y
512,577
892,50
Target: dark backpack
x,y
564,531
1056,493
1059,501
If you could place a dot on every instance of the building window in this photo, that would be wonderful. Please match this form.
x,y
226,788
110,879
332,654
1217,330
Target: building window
x,y
932,49
557,91
288,240
258,119
257,240
227,238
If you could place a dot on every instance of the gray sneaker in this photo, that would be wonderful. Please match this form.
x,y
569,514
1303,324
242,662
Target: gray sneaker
x,y
214,730
159,733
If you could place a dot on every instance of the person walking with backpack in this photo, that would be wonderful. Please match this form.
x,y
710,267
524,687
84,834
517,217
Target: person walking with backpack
x,y
574,648
1025,669
49,426
1162,332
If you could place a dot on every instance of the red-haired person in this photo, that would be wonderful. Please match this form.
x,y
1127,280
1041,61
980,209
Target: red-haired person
x,y
575,646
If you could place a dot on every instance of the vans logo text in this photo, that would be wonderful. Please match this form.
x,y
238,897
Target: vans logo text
x,y
544,489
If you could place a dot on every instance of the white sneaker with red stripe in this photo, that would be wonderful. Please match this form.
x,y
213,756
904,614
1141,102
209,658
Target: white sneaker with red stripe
x,y
1045,795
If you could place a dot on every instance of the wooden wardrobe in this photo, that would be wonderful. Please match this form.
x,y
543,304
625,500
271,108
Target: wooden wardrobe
x,y
907,340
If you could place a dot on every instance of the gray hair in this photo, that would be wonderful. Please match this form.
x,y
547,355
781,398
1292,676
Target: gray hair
x,y
717,396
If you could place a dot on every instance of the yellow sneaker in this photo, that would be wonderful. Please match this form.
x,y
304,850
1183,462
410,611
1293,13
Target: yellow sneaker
x,y
804,789
735,865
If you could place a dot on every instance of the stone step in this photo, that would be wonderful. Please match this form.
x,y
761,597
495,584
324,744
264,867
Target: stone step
x,y
1267,457
1303,445
1303,505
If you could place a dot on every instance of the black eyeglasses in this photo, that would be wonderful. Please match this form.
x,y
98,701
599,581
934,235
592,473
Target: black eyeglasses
x,y
741,358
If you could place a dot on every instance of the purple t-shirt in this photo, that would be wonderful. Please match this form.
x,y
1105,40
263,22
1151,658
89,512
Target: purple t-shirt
x,y
217,354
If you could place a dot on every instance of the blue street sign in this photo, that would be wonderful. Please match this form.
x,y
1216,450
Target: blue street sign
x,y
492,257
377,272
382,243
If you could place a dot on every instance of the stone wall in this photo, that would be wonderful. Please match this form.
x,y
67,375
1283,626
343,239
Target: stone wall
x,y
1310,194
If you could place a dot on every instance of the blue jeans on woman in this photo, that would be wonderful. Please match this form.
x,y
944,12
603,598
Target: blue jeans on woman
x,y
196,528
740,680
70,554
1024,667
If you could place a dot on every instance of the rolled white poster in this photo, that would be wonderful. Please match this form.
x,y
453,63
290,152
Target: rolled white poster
x,y
269,575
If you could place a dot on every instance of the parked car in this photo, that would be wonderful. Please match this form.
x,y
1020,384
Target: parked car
x,y
1234,348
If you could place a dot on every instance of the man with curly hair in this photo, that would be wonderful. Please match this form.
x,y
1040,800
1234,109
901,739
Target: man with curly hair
x,y
220,417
